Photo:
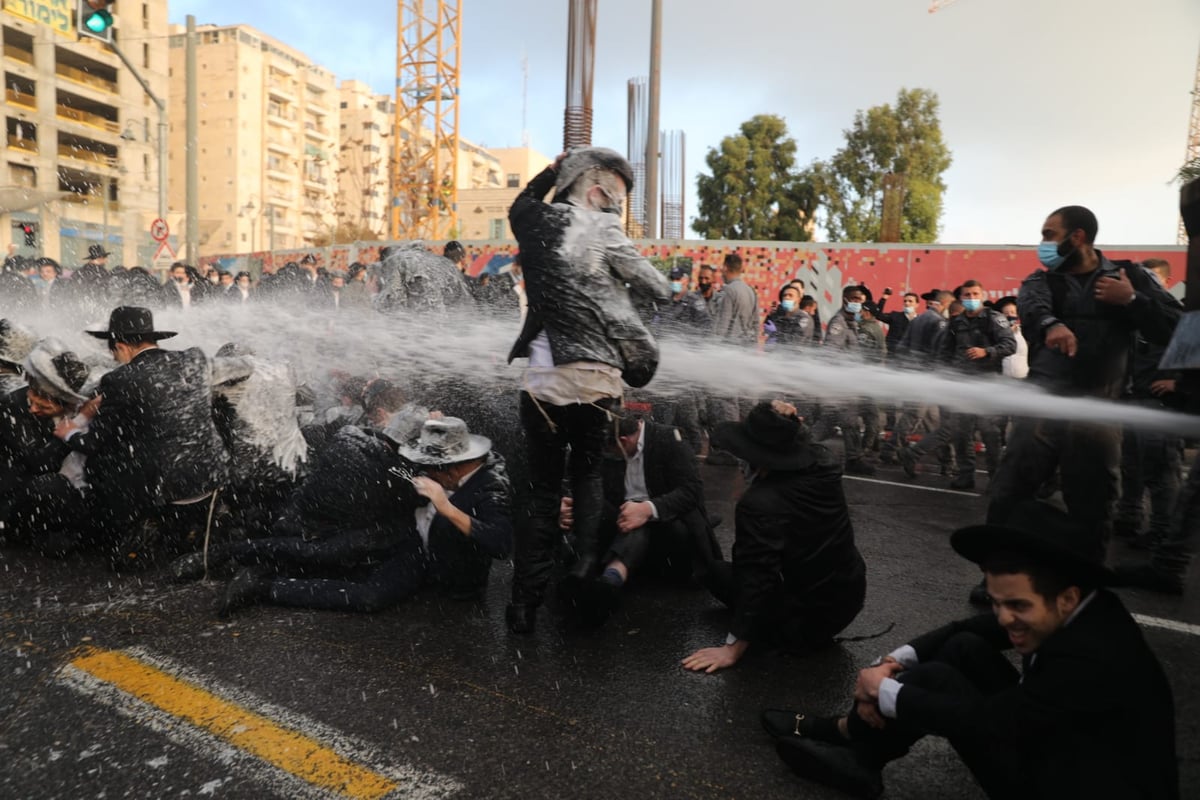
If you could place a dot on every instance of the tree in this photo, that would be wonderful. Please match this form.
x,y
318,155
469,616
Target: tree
x,y
753,191
905,140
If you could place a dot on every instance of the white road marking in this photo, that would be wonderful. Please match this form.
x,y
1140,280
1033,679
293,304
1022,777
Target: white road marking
x,y
911,486
1167,624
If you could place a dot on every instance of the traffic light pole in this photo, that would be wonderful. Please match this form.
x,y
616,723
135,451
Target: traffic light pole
x,y
161,105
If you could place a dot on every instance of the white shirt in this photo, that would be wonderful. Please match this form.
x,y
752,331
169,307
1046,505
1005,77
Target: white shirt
x,y
578,382
635,475
425,515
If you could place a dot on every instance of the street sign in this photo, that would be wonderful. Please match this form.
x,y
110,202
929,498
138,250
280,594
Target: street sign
x,y
159,230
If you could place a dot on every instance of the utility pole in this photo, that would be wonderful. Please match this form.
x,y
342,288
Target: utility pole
x,y
192,148
161,105
652,134
581,66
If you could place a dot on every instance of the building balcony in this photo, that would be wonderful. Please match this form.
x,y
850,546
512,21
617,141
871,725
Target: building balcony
x,y
276,146
282,94
281,121
279,175
88,119
314,131
90,158
86,79
24,145
14,53
15,97
319,185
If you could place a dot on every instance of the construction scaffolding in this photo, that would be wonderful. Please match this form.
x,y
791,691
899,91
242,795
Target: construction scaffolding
x,y
425,136
1193,141
673,183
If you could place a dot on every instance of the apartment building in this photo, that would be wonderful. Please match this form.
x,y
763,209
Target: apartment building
x,y
365,147
483,209
81,146
268,141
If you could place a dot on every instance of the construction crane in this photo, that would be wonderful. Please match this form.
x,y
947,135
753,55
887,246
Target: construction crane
x,y
425,135
1192,157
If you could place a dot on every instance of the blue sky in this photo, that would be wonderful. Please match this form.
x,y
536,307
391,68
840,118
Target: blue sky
x,y
1043,103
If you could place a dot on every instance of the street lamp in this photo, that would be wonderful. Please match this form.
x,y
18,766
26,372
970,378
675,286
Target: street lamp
x,y
248,211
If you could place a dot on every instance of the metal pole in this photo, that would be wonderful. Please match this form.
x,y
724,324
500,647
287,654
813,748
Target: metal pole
x,y
105,182
652,132
581,62
271,219
161,105
192,148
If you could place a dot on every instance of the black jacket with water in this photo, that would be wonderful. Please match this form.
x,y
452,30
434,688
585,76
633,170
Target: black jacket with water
x,y
153,440
580,271
28,447
917,346
1105,333
989,330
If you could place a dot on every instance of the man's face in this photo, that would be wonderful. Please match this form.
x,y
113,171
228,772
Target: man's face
x,y
854,297
1162,275
179,275
627,445
972,293
910,302
47,272
1025,614
793,294
338,283
705,281
227,279
1054,230
244,283
1009,310
44,406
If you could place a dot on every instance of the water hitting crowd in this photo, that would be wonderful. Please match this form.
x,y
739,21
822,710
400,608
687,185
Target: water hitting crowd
x,y
343,440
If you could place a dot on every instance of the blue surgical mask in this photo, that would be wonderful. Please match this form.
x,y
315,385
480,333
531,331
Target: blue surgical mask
x,y
973,304
858,316
676,286
854,308
788,305
1048,255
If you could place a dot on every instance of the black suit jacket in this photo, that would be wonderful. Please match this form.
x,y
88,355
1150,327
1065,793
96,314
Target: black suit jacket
x,y
672,479
1093,717
463,562
28,447
153,440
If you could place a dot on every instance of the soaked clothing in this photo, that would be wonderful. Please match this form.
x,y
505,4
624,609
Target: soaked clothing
x,y
28,448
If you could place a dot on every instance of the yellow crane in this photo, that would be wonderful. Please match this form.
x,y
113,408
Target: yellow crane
x,y
425,134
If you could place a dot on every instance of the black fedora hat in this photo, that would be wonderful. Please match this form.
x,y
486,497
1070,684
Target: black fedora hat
x,y
1044,534
931,295
767,439
97,251
131,322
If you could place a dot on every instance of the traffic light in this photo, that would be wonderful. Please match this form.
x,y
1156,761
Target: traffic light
x,y
95,20
30,231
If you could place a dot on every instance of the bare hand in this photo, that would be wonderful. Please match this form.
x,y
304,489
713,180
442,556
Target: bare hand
x,y
428,487
1062,339
566,514
1165,386
784,409
436,415
976,353
1115,291
64,428
870,714
711,659
866,688
90,408
634,516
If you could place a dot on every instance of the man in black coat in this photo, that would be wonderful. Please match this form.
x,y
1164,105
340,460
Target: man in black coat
x,y
449,541
151,444
654,516
797,578
1090,713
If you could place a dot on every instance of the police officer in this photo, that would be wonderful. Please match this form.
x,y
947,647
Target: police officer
x,y
975,342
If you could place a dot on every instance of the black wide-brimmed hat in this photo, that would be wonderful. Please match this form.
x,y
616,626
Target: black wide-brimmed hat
x,y
97,251
767,439
131,322
931,295
1044,534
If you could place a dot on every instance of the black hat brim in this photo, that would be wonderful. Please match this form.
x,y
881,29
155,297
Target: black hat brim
x,y
733,436
156,335
977,543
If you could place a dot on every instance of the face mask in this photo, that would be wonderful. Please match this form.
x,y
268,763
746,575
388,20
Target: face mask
x,y
1014,321
854,308
910,311
676,287
705,286
973,304
788,305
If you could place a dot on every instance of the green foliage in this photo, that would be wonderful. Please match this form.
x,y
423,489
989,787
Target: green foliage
x,y
905,138
753,191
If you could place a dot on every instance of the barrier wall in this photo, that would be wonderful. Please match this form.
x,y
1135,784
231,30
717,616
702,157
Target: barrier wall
x,y
824,268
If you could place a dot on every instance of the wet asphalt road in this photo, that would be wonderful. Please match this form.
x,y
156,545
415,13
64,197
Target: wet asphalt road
x,y
443,688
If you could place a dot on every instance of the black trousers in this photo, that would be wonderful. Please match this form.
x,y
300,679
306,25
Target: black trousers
x,y
561,442
675,549
367,589
968,668
1088,457
1173,553
1150,460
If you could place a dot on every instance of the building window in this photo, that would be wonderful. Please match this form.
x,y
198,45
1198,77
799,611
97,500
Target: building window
x,y
496,229
512,180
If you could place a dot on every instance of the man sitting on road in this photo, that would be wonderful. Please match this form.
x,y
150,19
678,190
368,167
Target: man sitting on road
x,y
654,515
1089,714
797,578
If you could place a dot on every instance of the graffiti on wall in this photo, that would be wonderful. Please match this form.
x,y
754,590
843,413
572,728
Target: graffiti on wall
x,y
824,268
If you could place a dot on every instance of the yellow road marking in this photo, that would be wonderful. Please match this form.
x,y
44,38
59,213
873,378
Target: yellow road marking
x,y
289,750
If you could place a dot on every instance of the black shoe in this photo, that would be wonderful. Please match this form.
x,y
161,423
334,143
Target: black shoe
x,y
840,767
963,483
596,600
908,460
1149,577
521,618
247,588
189,567
781,724
859,467
979,594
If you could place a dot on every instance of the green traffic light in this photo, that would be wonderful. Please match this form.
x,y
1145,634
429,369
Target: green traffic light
x,y
98,21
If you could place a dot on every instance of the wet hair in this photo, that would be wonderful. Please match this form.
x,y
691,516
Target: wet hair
x,y
733,263
454,251
1048,580
1079,218
383,395
628,425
